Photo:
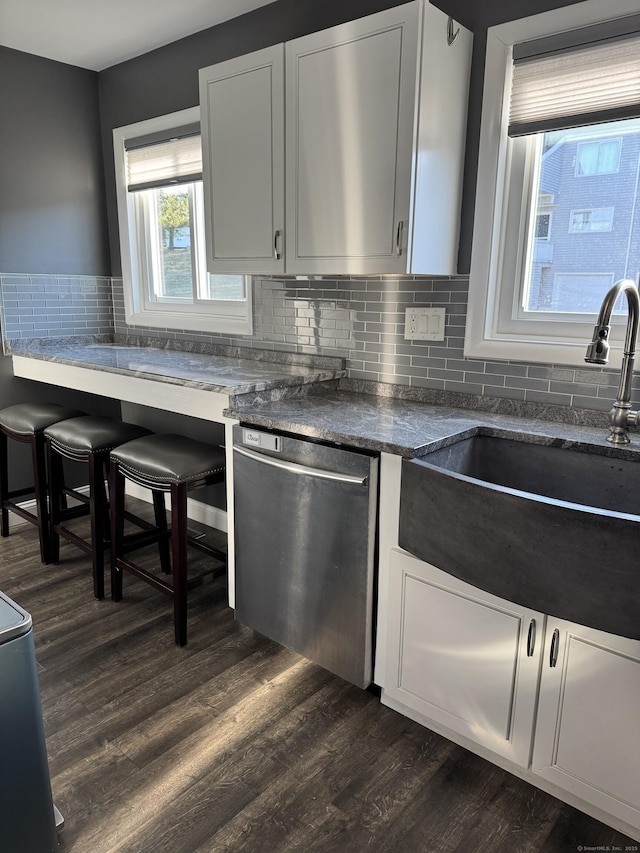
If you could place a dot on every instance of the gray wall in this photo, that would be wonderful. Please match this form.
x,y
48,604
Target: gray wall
x,y
52,215
52,209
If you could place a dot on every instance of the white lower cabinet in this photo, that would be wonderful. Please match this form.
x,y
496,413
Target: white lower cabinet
x,y
462,657
588,732
559,702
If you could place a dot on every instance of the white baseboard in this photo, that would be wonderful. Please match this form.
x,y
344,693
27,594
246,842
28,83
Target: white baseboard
x,y
211,516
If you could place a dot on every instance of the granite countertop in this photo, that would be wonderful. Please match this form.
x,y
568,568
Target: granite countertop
x,y
414,429
207,372
308,396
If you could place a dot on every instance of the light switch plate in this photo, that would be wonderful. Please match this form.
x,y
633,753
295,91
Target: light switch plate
x,y
424,324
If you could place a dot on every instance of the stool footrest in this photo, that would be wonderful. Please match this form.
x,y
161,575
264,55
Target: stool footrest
x,y
216,553
144,575
71,537
19,510
19,493
73,512
134,541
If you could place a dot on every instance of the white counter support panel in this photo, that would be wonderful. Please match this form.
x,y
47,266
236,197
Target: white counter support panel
x,y
171,397
167,396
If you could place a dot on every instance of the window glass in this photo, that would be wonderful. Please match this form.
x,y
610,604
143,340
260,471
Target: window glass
x,y
558,199
162,232
565,273
543,226
598,158
583,221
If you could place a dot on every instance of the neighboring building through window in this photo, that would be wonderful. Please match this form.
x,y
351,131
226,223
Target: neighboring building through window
x,y
161,219
581,207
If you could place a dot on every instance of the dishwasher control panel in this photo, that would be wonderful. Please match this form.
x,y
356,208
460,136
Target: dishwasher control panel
x,y
265,440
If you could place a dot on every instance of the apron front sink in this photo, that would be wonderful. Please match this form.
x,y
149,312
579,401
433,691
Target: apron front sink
x,y
549,527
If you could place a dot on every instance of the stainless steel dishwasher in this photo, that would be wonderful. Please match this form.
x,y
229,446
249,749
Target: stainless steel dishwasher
x,y
305,529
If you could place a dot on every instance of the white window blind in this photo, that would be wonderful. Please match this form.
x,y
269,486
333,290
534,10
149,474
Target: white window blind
x,y
159,162
585,84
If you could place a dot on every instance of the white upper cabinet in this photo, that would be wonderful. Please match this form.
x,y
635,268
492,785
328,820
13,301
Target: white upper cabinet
x,y
375,130
242,119
350,102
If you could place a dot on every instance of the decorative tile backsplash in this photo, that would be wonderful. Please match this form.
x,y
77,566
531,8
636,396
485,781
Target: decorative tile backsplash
x,y
46,306
359,319
362,320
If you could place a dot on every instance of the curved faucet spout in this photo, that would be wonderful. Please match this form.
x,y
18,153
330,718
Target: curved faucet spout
x,y
621,417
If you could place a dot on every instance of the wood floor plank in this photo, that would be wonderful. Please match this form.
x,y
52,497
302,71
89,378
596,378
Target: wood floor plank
x,y
235,745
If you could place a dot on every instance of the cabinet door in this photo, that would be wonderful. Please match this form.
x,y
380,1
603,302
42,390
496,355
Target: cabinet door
x,y
242,118
462,658
587,738
350,118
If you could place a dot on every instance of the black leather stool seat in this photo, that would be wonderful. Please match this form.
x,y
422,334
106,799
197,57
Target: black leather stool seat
x,y
163,459
26,422
89,440
164,463
30,418
91,434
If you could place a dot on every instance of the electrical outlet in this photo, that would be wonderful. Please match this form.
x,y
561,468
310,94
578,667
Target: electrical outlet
x,y
424,324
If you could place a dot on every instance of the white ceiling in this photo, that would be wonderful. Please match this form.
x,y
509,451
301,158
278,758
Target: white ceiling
x,y
96,34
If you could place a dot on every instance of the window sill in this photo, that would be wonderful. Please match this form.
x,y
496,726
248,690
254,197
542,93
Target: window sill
x,y
192,322
535,352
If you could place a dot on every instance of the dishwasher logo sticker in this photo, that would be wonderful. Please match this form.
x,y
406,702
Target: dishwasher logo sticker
x,y
251,438
261,439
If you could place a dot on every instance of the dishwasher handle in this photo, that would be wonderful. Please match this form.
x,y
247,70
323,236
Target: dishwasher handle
x,y
296,468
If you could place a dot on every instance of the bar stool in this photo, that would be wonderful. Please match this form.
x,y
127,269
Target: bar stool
x,y
89,440
172,464
26,422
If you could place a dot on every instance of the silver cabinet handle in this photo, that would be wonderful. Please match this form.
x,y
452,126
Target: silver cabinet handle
x,y
399,237
531,638
555,642
277,253
296,468
451,35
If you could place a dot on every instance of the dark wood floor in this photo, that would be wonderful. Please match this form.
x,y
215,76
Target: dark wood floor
x,y
236,744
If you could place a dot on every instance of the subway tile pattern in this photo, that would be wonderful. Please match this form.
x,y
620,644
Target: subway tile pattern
x,y
362,320
46,306
356,318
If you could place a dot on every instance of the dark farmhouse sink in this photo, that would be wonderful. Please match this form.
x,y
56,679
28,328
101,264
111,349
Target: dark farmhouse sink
x,y
548,527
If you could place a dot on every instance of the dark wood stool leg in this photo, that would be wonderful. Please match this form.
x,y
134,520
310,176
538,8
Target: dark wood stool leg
x,y
4,484
98,505
56,484
40,487
116,494
160,515
179,555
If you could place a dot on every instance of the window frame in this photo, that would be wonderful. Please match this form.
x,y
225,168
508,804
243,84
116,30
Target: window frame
x,y
503,206
230,317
